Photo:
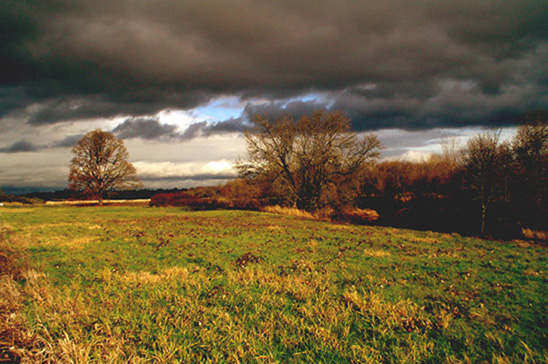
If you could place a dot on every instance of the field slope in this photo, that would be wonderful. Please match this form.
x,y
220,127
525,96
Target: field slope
x,y
135,284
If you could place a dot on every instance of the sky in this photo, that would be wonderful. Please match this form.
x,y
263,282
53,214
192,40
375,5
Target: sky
x,y
179,80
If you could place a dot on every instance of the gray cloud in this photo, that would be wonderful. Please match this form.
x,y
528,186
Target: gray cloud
x,y
68,141
194,130
145,128
276,109
442,103
150,128
232,125
385,63
206,129
70,108
20,146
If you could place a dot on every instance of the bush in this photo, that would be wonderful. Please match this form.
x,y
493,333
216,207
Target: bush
x,y
291,211
20,199
185,199
358,216
322,215
177,199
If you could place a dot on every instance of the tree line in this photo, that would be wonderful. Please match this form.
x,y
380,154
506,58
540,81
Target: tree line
x,y
319,164
488,187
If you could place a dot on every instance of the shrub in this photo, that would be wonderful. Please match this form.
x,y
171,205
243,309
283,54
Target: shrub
x,y
185,199
291,211
20,199
359,216
179,199
535,235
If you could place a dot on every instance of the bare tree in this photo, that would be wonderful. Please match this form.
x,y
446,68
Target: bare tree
x,y
452,151
487,162
100,166
306,159
530,148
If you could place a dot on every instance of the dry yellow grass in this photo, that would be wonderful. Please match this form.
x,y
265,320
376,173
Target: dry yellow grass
x,y
403,314
362,214
12,204
94,202
535,235
291,211
531,273
144,277
14,335
21,209
376,253
80,242
319,292
426,240
339,227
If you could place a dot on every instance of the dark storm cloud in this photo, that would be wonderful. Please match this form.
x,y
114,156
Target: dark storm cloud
x,y
84,107
275,110
386,63
68,141
150,128
145,128
20,146
194,130
206,129
232,125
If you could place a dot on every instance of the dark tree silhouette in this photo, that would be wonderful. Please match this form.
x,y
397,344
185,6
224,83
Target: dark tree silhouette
x,y
306,160
100,166
487,162
530,190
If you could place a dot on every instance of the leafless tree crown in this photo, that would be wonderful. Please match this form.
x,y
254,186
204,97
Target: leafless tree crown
x,y
307,157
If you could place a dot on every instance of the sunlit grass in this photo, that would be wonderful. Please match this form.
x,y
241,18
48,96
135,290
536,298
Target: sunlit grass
x,y
133,284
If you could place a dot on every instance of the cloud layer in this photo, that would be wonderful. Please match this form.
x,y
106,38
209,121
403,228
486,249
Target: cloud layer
x,y
413,65
178,80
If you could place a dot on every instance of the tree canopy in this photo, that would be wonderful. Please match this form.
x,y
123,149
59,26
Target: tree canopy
x,y
305,160
100,166
487,162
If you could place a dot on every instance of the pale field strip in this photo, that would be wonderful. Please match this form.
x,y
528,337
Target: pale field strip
x,y
92,202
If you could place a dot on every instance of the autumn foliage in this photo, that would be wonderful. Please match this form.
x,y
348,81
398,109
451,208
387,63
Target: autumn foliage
x,y
100,166
489,187
226,197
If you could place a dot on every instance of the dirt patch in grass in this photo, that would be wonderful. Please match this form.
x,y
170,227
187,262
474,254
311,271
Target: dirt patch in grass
x,y
247,258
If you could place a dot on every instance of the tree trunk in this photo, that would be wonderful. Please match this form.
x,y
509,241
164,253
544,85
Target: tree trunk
x,y
483,215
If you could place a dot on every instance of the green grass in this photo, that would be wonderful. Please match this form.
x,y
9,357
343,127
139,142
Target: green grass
x,y
134,284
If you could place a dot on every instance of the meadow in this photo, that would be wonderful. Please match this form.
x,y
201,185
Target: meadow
x,y
165,285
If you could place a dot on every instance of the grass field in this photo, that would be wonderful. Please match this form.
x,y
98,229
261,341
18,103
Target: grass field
x,y
163,285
